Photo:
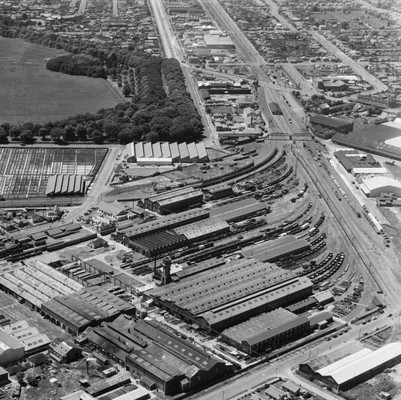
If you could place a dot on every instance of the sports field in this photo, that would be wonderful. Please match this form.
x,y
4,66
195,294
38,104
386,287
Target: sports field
x,y
31,93
24,172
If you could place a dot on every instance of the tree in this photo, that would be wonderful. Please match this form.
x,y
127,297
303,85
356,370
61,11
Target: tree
x,y
15,132
97,137
3,136
152,137
81,132
32,380
27,136
20,376
69,133
43,132
6,127
57,134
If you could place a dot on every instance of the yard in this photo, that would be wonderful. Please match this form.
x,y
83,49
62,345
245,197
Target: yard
x,y
31,93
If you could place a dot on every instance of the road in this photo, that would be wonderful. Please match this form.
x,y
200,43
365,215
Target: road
x,y
82,7
99,185
250,55
285,367
357,68
173,50
274,11
115,8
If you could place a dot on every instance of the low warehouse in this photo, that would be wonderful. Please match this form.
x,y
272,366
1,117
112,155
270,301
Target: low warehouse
x,y
273,250
174,200
163,153
239,210
372,187
344,368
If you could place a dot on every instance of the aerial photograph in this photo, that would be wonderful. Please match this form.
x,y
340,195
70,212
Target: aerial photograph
x,y
200,199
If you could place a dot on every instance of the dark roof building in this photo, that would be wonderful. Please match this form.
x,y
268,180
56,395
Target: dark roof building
x,y
164,223
266,331
161,358
373,139
218,191
157,243
224,295
173,364
174,200
337,124
88,307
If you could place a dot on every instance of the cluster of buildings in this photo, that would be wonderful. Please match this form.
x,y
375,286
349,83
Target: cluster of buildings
x,y
215,295
274,41
126,24
18,340
178,230
162,359
63,300
164,153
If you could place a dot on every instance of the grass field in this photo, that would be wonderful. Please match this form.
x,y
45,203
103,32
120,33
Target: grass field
x,y
31,93
24,172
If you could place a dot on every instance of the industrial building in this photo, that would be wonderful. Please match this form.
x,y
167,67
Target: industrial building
x,y
266,331
85,308
218,42
356,162
218,191
221,296
174,200
383,140
36,283
351,364
163,360
162,224
373,187
11,350
30,337
65,185
274,249
115,210
239,210
205,229
157,243
163,153
337,124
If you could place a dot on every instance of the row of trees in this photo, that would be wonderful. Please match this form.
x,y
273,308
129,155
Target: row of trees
x,y
77,64
160,106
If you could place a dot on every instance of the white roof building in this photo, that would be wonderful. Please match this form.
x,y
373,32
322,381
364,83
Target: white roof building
x,y
358,366
372,187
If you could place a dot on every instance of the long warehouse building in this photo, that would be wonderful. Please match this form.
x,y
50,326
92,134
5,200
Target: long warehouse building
x,y
228,294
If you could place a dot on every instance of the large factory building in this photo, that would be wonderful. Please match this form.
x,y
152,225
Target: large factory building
x,y
163,360
217,296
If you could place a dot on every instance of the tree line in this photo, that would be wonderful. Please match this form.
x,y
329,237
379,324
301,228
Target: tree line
x,y
77,64
158,108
